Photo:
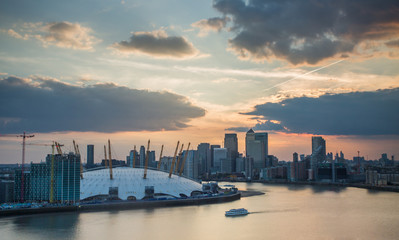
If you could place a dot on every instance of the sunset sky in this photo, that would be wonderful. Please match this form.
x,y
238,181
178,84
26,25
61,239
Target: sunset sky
x,y
192,71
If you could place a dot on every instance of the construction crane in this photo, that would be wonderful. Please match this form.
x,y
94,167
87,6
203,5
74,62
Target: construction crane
x,y
58,147
178,159
77,152
146,159
160,158
184,160
110,160
53,145
173,161
24,137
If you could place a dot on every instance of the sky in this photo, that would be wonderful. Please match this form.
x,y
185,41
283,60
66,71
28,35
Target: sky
x,y
191,71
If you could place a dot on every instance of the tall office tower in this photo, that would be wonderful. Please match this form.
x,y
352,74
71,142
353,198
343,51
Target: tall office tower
x,y
212,150
256,147
204,155
295,157
90,156
319,148
151,159
191,164
142,156
240,164
231,144
220,160
318,154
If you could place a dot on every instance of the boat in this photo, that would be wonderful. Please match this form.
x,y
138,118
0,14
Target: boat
x,y
236,212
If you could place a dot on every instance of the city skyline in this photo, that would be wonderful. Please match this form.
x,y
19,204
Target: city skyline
x,y
129,72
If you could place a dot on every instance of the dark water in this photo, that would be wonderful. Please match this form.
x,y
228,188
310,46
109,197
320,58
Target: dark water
x,y
284,212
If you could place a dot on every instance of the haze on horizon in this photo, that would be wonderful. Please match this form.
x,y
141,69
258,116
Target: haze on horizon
x,y
183,70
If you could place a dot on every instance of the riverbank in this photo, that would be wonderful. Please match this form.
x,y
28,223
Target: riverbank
x,y
124,205
250,193
357,185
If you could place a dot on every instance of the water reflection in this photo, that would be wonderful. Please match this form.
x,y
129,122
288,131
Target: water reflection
x,y
47,226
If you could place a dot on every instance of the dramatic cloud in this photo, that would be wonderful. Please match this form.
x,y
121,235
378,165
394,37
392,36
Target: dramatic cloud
x,y
60,34
48,105
356,113
212,24
261,126
310,31
157,44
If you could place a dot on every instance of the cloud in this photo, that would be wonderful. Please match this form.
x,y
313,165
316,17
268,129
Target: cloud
x,y
355,113
215,24
268,126
60,34
393,43
238,129
48,105
307,32
158,44
260,126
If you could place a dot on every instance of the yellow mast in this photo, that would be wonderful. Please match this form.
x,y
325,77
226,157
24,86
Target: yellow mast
x,y
184,160
105,157
146,159
160,158
110,160
178,159
173,161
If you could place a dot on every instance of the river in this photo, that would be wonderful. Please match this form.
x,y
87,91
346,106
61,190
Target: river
x,y
284,212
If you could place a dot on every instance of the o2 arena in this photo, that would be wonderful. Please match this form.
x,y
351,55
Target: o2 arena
x,y
125,183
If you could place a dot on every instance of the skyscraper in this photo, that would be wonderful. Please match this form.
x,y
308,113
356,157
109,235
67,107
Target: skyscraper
x,y
204,155
142,156
90,156
256,147
318,154
231,144
220,160
212,150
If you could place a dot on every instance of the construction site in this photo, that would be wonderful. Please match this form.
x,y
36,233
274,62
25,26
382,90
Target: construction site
x,y
63,182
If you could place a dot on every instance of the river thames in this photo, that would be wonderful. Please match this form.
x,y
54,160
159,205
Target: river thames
x,y
284,212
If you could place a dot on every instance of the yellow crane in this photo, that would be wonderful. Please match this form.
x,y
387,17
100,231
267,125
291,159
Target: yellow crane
x,y
173,161
184,160
54,145
110,160
178,159
77,152
146,159
160,158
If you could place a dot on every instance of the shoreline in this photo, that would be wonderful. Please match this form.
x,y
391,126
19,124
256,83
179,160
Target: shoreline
x,y
356,185
122,205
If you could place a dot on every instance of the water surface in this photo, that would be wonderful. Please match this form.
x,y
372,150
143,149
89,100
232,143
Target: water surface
x,y
284,212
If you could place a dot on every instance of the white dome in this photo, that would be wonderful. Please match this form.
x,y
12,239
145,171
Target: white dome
x,y
130,182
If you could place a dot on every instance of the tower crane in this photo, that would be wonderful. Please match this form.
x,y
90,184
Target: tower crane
x,y
24,137
53,146
77,152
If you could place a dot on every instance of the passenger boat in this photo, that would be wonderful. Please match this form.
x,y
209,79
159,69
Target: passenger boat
x,y
236,212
